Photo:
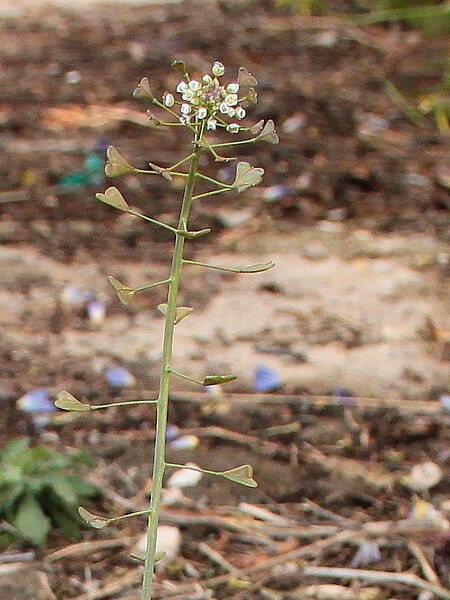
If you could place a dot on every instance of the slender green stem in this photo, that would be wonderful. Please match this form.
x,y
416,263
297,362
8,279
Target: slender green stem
x,y
207,471
164,385
146,172
180,162
214,181
129,403
213,193
217,157
154,221
186,175
216,267
238,143
187,377
138,513
152,285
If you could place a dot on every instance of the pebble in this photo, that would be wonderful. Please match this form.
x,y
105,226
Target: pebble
x,y
184,477
315,251
424,476
168,540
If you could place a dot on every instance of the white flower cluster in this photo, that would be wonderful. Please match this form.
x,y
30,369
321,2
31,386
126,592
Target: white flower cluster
x,y
208,100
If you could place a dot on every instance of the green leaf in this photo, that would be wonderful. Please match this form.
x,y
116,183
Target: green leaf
x,y
143,91
66,521
124,293
65,401
268,133
15,449
260,268
63,489
82,488
218,379
181,312
242,475
247,176
112,197
9,494
93,520
116,165
31,521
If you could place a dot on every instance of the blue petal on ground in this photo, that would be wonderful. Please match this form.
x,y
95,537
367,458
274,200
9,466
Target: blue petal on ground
x,y
119,377
266,380
36,402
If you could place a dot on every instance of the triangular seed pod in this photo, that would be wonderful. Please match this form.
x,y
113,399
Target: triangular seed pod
x,y
143,91
117,165
181,312
242,475
66,401
113,198
257,268
217,379
268,133
124,293
93,520
247,176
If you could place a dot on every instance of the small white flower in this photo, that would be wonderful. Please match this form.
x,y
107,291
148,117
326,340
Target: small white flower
x,y
240,112
231,99
185,109
233,88
195,85
233,128
182,87
202,112
211,124
168,100
187,96
224,108
185,120
231,112
207,79
218,69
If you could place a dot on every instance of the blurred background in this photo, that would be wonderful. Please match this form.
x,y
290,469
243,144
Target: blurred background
x,y
342,351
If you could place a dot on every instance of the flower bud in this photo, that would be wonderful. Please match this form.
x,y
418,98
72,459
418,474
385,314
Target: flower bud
x,y
182,87
194,85
218,69
233,128
168,100
233,88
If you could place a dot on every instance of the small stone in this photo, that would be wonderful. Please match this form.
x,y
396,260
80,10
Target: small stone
x,y
424,476
184,477
168,540
315,251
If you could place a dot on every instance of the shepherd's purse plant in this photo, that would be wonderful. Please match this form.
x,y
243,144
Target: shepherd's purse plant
x,y
204,106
